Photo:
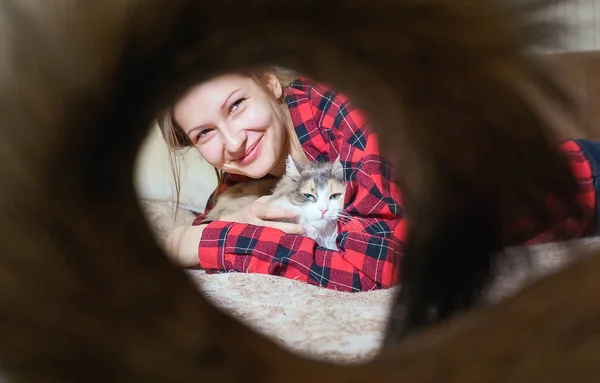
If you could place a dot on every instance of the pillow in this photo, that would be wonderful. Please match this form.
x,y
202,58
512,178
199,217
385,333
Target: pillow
x,y
153,177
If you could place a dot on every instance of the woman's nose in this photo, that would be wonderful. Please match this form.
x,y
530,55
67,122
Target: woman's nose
x,y
235,141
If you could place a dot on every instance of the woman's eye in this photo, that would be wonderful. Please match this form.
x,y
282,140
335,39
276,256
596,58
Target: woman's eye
x,y
203,134
310,197
236,105
335,196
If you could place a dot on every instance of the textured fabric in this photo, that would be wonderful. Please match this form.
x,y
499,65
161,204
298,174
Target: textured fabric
x,y
370,245
327,125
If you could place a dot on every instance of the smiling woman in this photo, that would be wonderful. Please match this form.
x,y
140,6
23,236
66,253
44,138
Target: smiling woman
x,y
232,120
246,125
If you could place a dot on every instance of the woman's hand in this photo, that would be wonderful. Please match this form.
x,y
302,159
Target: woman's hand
x,y
261,213
182,245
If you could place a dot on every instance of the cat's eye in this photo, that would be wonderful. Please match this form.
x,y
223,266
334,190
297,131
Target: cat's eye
x,y
335,196
310,197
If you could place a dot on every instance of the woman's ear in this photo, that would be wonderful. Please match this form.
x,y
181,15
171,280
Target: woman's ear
x,y
274,85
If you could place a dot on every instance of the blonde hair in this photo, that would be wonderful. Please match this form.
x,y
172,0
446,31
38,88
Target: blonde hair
x,y
177,140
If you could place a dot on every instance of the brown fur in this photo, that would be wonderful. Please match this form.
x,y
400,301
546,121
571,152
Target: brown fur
x,y
86,293
240,196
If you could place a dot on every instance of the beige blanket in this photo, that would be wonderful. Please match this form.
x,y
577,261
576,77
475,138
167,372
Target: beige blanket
x,y
321,323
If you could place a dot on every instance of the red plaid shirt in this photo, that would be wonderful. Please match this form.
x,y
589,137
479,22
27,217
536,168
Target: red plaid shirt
x,y
328,125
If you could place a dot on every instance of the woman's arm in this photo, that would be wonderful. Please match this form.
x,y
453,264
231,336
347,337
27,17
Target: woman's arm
x,y
364,261
369,242
182,245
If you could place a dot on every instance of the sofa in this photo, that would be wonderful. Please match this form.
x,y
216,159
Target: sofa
x,y
335,326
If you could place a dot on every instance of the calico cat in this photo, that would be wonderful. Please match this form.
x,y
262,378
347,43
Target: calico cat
x,y
314,192
86,294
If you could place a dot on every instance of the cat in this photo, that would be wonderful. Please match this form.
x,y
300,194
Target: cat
x,y
314,192
86,294
239,196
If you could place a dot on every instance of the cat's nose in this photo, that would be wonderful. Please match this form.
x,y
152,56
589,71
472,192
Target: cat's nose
x,y
323,211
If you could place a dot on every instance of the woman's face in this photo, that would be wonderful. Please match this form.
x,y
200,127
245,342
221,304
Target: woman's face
x,y
235,125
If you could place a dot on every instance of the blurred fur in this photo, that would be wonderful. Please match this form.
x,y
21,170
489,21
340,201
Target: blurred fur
x,y
86,293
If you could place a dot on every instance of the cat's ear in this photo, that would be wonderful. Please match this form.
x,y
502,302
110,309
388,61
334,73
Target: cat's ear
x,y
292,168
338,168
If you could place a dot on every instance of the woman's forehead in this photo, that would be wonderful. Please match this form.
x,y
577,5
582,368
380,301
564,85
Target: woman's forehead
x,y
219,86
207,97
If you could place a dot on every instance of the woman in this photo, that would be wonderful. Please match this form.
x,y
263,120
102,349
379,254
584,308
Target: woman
x,y
245,125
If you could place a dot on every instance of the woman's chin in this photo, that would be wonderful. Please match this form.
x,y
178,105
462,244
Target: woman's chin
x,y
257,169
250,172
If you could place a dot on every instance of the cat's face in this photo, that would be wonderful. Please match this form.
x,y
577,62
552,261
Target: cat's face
x,y
235,125
318,193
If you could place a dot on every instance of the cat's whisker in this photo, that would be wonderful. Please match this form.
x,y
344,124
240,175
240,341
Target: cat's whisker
x,y
354,223
345,219
355,218
354,226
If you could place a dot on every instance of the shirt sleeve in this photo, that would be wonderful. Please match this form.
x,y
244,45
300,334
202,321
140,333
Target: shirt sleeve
x,y
369,241
568,227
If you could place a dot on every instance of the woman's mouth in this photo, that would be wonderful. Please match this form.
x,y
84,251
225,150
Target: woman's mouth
x,y
251,154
